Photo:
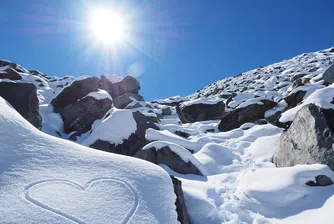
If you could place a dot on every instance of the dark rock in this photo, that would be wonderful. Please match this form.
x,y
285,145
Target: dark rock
x,y
298,82
134,143
166,111
328,76
77,90
295,98
80,116
10,74
320,180
308,140
23,97
314,69
200,112
251,113
166,156
105,84
122,101
181,208
182,134
127,85
331,50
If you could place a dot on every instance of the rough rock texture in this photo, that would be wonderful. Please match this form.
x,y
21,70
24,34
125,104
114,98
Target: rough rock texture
x,y
308,140
80,116
166,111
166,156
105,84
181,208
200,112
127,85
134,143
23,97
11,74
77,90
320,180
294,99
328,76
122,101
239,116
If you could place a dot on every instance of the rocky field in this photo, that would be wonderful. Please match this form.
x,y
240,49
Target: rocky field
x,y
253,148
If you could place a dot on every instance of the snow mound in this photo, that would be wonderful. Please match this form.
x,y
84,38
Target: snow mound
x,y
44,179
116,127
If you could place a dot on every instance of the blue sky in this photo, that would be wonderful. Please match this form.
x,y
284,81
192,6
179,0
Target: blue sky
x,y
180,46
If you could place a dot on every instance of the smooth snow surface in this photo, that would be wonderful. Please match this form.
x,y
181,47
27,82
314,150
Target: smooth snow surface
x,y
44,179
99,95
210,101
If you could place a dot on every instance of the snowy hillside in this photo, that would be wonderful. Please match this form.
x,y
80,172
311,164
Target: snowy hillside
x,y
253,148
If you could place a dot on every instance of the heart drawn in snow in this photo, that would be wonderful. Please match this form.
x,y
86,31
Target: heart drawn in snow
x,y
101,200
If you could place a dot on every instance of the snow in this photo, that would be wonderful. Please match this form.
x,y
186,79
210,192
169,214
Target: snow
x,y
44,179
241,184
184,154
251,102
210,101
83,77
321,97
99,95
119,125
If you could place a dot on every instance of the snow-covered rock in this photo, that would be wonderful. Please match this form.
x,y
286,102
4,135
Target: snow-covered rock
x,y
202,109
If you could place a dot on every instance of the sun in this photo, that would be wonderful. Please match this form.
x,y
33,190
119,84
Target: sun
x,y
107,26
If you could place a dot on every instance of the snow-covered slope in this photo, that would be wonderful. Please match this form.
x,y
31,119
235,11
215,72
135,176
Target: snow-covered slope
x,y
54,180
44,179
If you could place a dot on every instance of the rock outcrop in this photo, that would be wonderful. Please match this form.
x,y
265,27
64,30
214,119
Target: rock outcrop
x,y
328,76
308,140
23,97
250,113
134,143
123,100
200,112
165,155
80,115
77,90
181,208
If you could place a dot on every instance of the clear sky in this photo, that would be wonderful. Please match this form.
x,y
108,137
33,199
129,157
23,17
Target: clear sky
x,y
177,47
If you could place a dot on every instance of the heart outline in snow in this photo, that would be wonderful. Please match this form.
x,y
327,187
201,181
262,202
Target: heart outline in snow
x,y
82,188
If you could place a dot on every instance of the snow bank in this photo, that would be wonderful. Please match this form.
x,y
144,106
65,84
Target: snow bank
x,y
210,101
119,125
99,95
321,97
44,179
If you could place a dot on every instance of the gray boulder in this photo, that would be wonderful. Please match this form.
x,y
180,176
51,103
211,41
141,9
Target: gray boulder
x,y
308,140
134,143
181,207
200,112
23,97
295,98
328,76
77,90
122,101
166,156
239,116
80,116
127,85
